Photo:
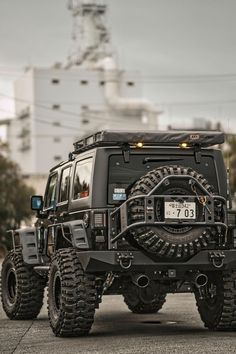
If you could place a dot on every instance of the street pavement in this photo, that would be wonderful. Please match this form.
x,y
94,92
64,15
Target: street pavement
x,y
175,329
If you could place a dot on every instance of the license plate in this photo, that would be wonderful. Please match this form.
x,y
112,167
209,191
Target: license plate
x,y
176,210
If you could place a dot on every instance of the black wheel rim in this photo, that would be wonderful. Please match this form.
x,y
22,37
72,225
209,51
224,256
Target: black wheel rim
x,y
57,292
11,285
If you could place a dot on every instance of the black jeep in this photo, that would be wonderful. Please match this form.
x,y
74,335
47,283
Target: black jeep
x,y
137,214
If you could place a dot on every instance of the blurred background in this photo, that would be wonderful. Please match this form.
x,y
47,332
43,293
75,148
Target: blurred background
x,y
69,68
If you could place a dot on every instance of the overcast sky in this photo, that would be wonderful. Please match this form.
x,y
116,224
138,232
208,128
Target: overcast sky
x,y
186,50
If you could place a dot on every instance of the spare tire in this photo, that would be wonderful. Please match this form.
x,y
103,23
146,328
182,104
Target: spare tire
x,y
176,242
144,300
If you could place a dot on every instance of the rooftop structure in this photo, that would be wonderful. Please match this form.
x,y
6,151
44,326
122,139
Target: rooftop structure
x,y
56,106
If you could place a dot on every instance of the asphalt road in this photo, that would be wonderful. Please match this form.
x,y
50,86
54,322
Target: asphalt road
x,y
176,329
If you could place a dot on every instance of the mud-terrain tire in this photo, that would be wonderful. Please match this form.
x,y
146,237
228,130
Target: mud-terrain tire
x,y
71,296
168,242
22,288
137,305
218,311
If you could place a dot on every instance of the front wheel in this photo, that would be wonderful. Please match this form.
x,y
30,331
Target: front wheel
x,y
71,296
22,288
217,309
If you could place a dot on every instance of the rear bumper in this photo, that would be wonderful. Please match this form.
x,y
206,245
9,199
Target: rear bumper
x,y
136,261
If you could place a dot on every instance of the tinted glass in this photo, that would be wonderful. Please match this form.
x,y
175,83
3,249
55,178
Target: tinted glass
x,y
82,179
65,185
123,175
51,192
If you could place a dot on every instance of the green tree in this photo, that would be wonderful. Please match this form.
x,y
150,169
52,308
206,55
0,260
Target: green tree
x,y
14,199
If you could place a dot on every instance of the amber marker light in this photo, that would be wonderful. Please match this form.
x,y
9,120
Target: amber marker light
x,y
139,145
183,145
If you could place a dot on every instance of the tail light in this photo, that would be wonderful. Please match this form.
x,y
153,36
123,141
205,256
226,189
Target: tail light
x,y
99,220
99,230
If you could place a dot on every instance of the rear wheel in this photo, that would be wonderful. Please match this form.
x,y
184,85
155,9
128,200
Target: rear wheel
x,y
71,296
218,307
22,288
143,300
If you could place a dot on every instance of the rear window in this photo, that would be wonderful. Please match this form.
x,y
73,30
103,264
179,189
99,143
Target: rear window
x,y
123,175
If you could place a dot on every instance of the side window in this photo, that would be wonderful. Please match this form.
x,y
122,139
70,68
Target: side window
x,y
65,185
51,192
82,179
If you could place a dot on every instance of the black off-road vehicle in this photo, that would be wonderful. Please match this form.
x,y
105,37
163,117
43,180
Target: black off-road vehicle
x,y
137,214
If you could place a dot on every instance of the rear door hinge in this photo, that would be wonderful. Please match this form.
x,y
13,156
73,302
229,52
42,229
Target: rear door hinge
x,y
197,153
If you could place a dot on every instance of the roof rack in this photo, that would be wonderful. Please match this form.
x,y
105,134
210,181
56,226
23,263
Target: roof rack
x,y
159,138
58,165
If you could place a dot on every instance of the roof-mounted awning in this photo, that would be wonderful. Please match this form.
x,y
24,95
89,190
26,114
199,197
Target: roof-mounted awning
x,y
159,138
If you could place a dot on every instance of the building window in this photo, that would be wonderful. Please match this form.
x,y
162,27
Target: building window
x,y
82,179
56,106
57,158
24,113
130,83
55,81
57,139
65,185
56,124
84,82
85,121
102,83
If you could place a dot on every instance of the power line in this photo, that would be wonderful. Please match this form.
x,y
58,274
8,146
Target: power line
x,y
145,78
198,103
67,113
186,103
49,121
37,105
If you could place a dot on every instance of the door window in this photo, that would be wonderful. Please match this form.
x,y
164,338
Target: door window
x,y
82,179
65,185
51,192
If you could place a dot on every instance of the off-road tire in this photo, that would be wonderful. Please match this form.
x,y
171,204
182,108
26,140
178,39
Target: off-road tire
x,y
158,240
71,296
220,312
135,304
22,288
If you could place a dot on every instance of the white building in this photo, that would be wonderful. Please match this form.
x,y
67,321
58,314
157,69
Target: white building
x,y
55,106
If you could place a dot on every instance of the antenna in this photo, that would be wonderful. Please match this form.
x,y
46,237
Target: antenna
x,y
90,35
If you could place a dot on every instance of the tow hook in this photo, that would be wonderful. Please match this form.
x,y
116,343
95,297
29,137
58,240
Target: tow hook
x,y
125,260
217,258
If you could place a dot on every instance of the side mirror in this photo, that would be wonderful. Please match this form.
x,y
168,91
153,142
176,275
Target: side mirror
x,y
37,202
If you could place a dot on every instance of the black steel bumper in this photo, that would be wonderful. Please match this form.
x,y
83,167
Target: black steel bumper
x,y
135,261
